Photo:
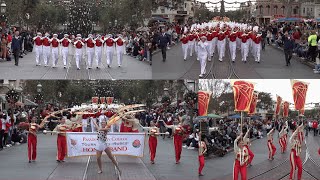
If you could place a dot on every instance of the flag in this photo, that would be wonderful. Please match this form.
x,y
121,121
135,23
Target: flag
x,y
253,104
203,102
299,90
95,100
278,106
102,100
243,92
286,109
109,100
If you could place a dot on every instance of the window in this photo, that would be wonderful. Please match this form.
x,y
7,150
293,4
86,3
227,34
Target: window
x,y
185,5
275,9
162,11
307,9
304,10
311,9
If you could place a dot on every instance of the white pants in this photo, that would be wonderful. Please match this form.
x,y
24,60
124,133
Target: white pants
x,y
191,45
120,53
98,52
38,51
185,51
109,54
54,55
65,53
90,55
203,62
221,48
78,56
214,44
238,43
233,48
46,54
257,49
244,50
210,43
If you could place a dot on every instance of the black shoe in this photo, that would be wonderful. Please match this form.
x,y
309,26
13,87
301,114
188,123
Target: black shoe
x,y
16,65
58,161
201,174
29,161
108,66
164,60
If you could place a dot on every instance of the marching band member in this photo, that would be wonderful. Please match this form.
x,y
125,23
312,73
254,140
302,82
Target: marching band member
x,y
120,42
98,50
191,42
247,144
256,44
65,50
90,50
38,47
239,34
32,138
233,45
85,120
78,44
295,160
210,44
241,159
271,147
215,39
285,136
109,49
300,134
221,44
46,49
77,126
185,43
102,145
244,46
177,139
54,50
62,128
153,139
203,53
202,150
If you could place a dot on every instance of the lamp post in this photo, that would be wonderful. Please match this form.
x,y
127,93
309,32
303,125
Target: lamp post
x,y
39,99
3,10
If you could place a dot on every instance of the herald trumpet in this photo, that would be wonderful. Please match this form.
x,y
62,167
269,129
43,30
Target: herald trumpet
x,y
166,133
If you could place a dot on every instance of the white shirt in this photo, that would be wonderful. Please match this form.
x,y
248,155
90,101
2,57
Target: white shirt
x,y
3,121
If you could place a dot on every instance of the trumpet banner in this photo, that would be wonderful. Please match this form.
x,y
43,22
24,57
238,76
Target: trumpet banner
x,y
299,90
95,100
243,94
286,109
203,102
278,106
102,100
253,104
109,100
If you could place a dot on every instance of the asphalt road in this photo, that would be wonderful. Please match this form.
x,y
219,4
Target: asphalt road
x,y
27,69
272,66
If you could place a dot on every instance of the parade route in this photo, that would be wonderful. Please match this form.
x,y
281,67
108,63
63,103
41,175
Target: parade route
x,y
272,66
131,69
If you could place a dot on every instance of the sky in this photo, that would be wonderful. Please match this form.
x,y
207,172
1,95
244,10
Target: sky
x,y
228,6
282,87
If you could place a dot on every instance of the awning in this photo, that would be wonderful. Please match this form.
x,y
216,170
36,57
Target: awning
x,y
28,102
289,19
236,116
157,18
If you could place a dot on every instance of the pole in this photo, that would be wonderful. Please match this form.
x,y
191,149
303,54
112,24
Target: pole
x,y
241,121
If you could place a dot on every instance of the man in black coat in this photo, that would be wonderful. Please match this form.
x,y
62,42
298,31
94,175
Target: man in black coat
x,y
16,46
163,41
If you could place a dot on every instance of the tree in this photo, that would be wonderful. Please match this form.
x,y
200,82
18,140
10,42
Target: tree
x,y
80,17
264,101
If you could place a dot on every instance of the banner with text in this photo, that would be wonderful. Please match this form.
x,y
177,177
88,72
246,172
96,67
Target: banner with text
x,y
126,144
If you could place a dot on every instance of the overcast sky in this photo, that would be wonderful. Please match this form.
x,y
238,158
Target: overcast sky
x,y
228,6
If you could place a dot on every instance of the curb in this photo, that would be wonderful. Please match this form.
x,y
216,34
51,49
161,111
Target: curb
x,y
158,50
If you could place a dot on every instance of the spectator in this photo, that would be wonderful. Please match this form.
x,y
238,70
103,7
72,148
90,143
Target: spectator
x,y
16,46
288,47
313,45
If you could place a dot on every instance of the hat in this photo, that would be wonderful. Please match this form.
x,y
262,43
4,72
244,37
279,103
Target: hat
x,y
66,35
39,33
78,35
203,37
55,35
90,35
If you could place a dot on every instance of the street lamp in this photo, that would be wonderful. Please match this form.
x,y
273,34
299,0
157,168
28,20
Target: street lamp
x,y
191,85
166,91
39,88
3,7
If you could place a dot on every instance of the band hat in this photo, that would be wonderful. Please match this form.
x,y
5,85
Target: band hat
x,y
39,33
203,37
66,35
55,35
79,35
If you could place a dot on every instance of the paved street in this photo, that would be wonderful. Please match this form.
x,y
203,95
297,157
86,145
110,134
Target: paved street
x,y
131,69
272,66
14,165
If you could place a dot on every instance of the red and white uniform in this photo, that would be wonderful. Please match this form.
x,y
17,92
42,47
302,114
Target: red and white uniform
x,y
78,51
120,46
185,44
65,42
90,51
191,43
109,49
214,41
210,38
240,164
203,54
295,160
250,153
98,50
239,34
221,44
153,142
61,142
233,45
38,48
46,50
202,146
54,51
256,46
272,149
244,46
32,142
177,141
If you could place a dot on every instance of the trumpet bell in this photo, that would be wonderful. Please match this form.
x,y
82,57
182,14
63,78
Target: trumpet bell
x,y
44,132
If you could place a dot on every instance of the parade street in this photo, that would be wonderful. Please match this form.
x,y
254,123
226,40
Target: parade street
x,y
16,165
272,66
27,69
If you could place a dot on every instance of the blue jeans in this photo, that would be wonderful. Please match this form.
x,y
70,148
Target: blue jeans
x,y
317,67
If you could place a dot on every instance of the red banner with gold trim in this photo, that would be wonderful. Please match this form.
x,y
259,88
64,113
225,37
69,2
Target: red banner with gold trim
x,y
203,102
299,90
286,109
243,93
253,104
278,105
95,100
109,100
102,100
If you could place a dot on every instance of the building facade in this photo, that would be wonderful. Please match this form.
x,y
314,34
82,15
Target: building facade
x,y
273,9
7,85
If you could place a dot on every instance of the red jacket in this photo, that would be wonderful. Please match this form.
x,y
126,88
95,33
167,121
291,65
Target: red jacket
x,y
315,124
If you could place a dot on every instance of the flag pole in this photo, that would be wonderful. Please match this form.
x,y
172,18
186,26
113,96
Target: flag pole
x,y
241,121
